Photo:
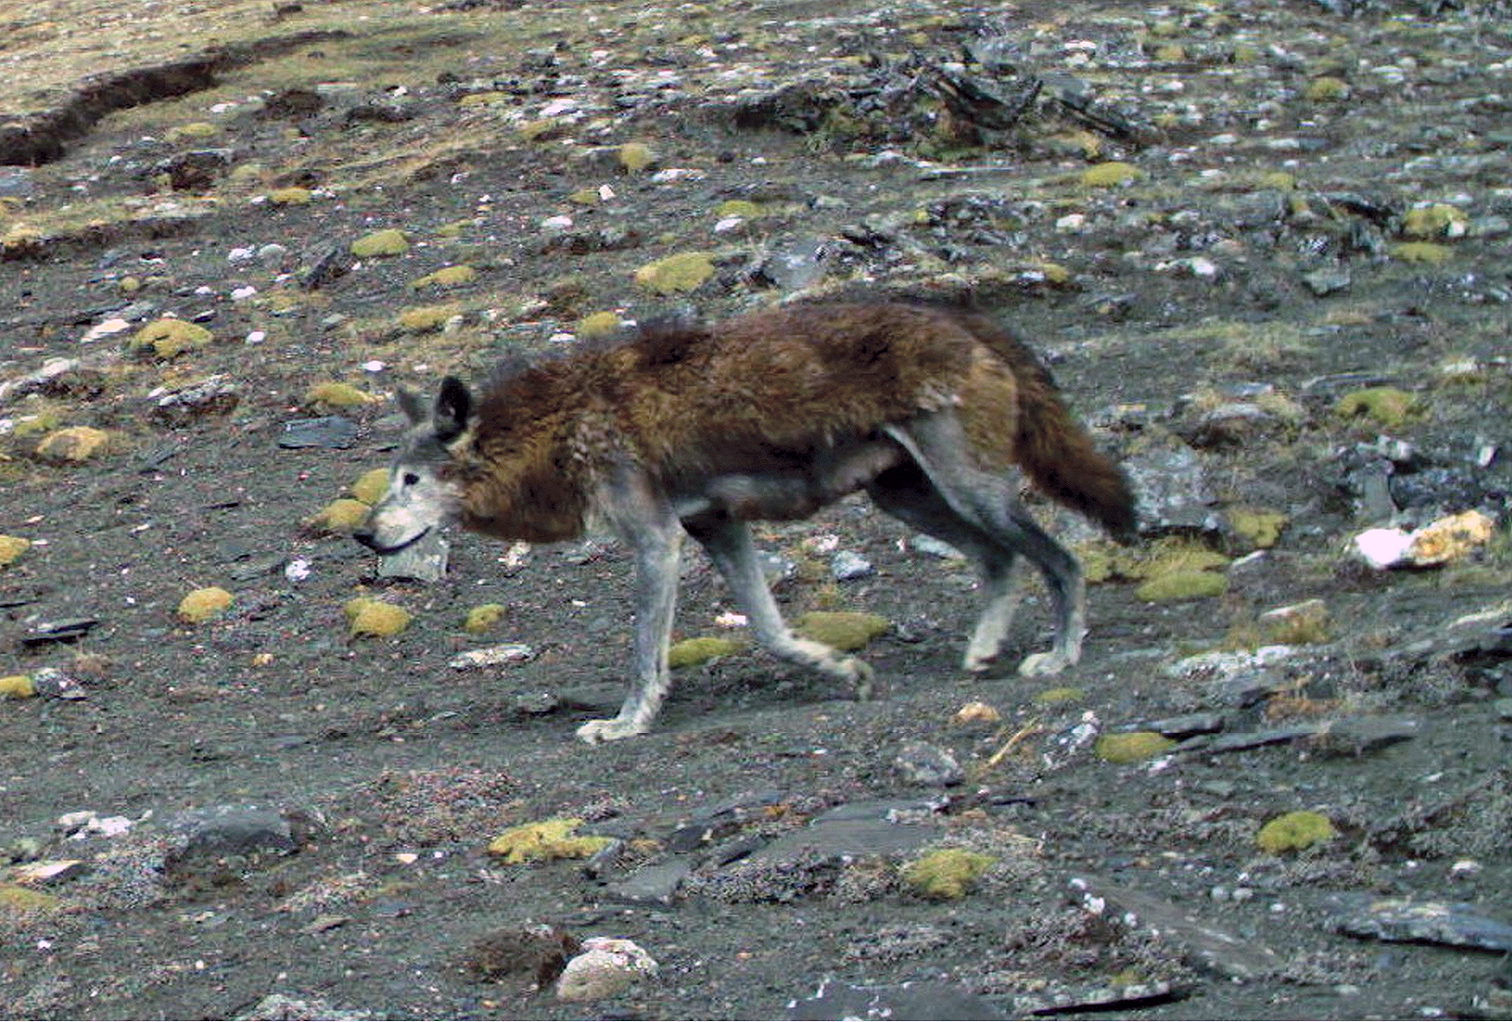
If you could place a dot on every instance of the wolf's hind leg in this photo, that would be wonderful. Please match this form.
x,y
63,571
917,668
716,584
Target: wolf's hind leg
x,y
728,542
986,502
907,495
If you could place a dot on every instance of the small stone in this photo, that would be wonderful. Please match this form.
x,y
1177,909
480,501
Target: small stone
x,y
606,966
492,656
928,765
848,565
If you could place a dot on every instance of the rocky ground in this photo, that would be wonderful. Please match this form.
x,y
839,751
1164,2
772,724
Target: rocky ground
x,y
1263,247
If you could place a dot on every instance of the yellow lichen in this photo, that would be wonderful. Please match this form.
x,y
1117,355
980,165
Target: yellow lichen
x,y
388,242
597,324
341,515
17,686
1110,174
691,652
376,618
201,605
290,196
12,547
73,444
1131,746
1293,832
844,630
1259,529
447,276
676,274
545,840
337,395
483,617
169,338
421,319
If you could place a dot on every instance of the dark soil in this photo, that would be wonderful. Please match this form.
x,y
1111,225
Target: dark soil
x,y
393,771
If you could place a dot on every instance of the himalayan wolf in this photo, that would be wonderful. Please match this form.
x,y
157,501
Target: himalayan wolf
x,y
699,429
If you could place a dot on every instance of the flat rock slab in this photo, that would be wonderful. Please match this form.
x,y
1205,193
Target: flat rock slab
x,y
1457,924
926,999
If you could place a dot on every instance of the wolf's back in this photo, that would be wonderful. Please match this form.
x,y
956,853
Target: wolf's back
x,y
1050,445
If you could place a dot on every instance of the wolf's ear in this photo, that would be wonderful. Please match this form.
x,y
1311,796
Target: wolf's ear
x,y
453,406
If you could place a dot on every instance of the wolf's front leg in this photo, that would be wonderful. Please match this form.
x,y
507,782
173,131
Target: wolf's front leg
x,y
657,550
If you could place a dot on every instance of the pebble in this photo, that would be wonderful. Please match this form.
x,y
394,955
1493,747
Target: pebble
x,y
605,967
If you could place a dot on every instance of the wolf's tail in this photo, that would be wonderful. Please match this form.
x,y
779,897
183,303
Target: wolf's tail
x,y
1052,447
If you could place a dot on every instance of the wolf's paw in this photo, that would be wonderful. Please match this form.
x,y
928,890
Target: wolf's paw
x,y
596,732
1039,665
861,676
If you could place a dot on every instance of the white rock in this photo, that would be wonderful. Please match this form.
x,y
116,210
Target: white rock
x,y
606,966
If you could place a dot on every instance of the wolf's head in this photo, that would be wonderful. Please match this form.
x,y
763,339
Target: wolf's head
x,y
422,494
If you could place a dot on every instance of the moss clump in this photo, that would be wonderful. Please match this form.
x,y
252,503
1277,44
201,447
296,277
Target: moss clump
x,y
1112,174
201,605
1300,624
1181,584
337,395
1293,832
1058,696
290,196
194,131
1257,529
12,547
1327,89
422,319
1131,746
636,157
743,208
1438,220
540,130
388,242
342,515
447,276
597,324
17,901
945,874
376,618
838,629
169,338
1422,252
17,686
74,444
691,652
545,840
1385,406
371,486
483,617
1280,180
676,274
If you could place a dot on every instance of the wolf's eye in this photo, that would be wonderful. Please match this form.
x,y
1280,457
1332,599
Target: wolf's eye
x,y
410,479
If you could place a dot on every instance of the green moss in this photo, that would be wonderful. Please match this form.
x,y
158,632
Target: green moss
x,y
585,197
376,618
1422,252
1384,406
194,131
1433,221
290,196
1327,89
597,324
636,157
17,686
539,130
845,630
1111,174
17,901
337,395
1181,584
387,242
371,486
342,515
945,874
1058,696
447,276
37,424
545,840
12,547
1280,180
676,274
691,652
484,617
169,338
73,444
1258,529
201,605
1131,746
1170,53
1293,832
739,207
1300,624
420,319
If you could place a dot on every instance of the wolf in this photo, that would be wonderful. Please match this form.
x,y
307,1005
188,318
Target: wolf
x,y
691,429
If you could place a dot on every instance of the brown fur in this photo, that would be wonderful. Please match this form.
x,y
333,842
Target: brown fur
x,y
754,394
